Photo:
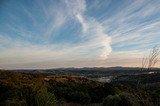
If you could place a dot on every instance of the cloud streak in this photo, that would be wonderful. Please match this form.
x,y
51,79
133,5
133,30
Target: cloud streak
x,y
77,32
91,28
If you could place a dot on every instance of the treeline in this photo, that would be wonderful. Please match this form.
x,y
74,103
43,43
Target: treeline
x,y
17,89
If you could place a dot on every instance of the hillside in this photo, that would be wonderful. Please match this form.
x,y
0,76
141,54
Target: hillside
x,y
39,90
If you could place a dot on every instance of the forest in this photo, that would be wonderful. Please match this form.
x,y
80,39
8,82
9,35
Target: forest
x,y
26,89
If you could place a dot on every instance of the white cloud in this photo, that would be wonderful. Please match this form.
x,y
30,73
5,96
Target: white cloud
x,y
91,28
83,23
127,31
134,25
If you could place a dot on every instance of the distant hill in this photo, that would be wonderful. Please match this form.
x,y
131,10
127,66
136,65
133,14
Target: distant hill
x,y
88,71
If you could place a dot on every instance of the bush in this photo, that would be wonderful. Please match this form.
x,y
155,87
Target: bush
x,y
112,100
15,102
80,97
123,99
129,99
45,99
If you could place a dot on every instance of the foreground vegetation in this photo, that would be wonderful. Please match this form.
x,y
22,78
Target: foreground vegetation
x,y
141,83
18,89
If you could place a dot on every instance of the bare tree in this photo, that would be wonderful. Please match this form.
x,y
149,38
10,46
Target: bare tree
x,y
144,63
152,59
147,63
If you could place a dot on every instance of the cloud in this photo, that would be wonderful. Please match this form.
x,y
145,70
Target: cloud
x,y
91,28
83,23
134,27
77,32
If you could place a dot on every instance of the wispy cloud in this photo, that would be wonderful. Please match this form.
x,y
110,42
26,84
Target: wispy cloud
x,y
77,32
135,25
91,28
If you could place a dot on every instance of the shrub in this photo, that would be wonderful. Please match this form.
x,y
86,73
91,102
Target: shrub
x,y
45,99
123,99
15,102
80,97
112,100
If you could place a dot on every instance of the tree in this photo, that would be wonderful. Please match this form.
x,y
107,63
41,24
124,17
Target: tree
x,y
80,97
122,99
152,59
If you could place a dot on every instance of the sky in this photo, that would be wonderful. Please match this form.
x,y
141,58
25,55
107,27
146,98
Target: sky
x,y
77,33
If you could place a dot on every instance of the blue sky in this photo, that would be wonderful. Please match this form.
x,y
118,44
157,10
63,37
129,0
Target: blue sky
x,y
77,33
